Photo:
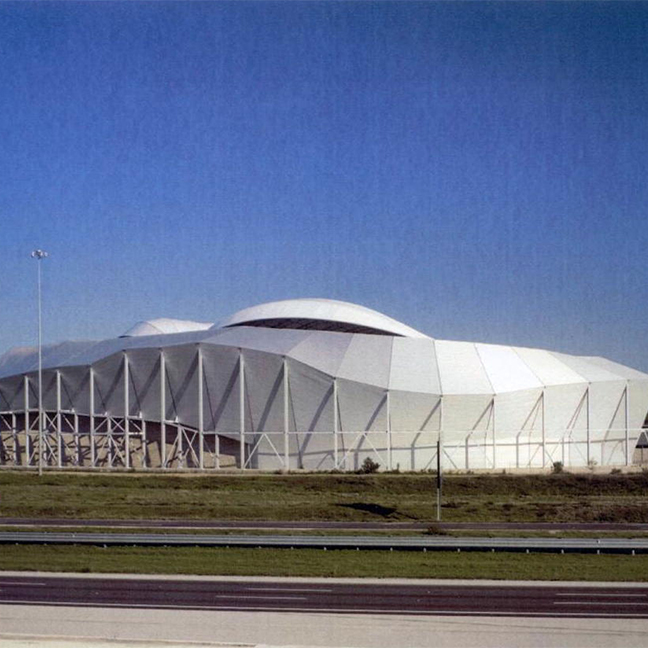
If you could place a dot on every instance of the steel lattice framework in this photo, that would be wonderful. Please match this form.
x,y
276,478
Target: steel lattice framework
x,y
256,392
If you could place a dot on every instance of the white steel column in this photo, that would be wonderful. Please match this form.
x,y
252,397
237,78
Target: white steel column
x,y
544,438
111,441
126,412
27,425
180,439
389,434
14,430
241,409
441,418
286,421
587,420
77,442
336,423
145,453
627,422
201,413
494,440
59,435
439,460
93,458
14,434
163,444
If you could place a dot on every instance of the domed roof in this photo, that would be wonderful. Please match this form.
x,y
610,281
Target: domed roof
x,y
164,325
319,314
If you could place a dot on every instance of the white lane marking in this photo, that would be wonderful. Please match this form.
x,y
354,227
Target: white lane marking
x,y
624,603
587,594
285,589
25,583
265,598
331,610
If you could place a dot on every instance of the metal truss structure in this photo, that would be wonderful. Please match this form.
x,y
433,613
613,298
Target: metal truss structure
x,y
100,440
289,387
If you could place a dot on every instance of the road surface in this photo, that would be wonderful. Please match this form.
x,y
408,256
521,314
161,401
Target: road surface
x,y
283,595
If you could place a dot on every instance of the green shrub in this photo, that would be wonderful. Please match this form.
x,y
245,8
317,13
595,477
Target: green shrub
x,y
369,466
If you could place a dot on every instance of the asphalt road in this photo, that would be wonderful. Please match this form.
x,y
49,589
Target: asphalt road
x,y
318,524
384,542
321,596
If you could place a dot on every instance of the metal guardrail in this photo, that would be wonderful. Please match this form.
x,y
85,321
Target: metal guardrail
x,y
390,543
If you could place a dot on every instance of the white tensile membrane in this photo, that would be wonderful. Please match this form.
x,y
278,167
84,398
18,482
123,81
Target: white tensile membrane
x,y
313,384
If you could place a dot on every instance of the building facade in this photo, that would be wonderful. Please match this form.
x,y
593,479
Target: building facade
x,y
317,385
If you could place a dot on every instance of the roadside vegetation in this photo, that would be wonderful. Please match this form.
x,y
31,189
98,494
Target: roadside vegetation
x,y
560,497
389,532
313,562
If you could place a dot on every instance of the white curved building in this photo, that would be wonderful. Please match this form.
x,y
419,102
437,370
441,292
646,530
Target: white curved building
x,y
314,384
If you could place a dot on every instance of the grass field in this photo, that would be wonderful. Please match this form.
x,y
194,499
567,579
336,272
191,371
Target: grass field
x,y
303,497
313,562
456,533
380,497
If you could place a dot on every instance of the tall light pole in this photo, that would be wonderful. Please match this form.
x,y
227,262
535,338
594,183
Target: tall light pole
x,y
39,255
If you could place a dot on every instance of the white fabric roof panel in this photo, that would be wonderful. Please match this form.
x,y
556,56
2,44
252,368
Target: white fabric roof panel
x,y
92,352
144,383
361,407
322,350
311,399
638,404
165,325
411,411
182,384
403,374
461,369
277,341
367,360
24,359
109,386
607,407
17,360
221,397
506,370
589,371
321,309
11,393
517,413
547,367
414,366
75,389
561,402
616,368
465,413
264,393
8,389
49,390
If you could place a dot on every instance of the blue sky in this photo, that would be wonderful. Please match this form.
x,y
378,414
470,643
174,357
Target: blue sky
x,y
476,170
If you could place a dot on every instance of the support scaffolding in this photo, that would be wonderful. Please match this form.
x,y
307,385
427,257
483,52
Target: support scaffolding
x,y
89,421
